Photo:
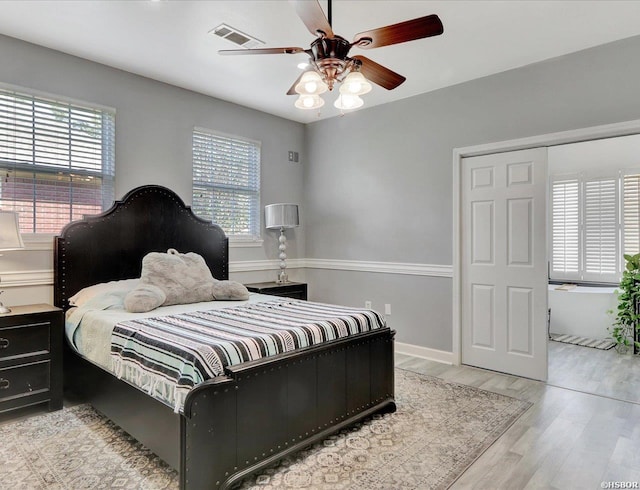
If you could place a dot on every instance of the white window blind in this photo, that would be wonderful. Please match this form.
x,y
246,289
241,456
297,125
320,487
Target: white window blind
x,y
631,213
226,182
601,252
56,160
565,228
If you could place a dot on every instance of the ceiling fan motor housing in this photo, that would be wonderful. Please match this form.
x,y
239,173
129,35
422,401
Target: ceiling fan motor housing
x,y
329,56
335,47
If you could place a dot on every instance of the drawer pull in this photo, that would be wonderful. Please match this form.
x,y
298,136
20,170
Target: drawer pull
x,y
4,343
4,384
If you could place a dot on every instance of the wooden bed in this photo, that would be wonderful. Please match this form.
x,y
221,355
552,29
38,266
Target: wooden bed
x,y
232,425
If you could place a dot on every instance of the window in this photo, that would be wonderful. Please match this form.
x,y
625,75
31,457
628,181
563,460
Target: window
x,y
565,231
226,182
601,230
594,222
56,160
631,213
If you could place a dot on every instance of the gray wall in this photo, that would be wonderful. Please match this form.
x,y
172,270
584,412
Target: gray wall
x,y
374,185
154,123
378,183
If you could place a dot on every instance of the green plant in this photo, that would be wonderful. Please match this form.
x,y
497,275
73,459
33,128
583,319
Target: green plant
x,y
627,321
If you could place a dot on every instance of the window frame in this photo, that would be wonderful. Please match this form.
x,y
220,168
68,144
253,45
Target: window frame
x,y
583,178
44,240
235,240
571,276
605,277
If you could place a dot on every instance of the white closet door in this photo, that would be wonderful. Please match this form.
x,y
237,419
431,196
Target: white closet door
x,y
504,262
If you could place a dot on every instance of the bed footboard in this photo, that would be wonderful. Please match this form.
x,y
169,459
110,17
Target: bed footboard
x,y
262,411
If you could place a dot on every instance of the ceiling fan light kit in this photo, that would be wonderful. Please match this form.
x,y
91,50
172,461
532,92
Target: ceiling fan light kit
x,y
355,84
309,102
348,101
311,83
330,61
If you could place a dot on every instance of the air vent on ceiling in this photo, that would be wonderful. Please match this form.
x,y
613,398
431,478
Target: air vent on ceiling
x,y
235,36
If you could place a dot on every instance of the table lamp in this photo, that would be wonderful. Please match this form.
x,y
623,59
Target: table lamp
x,y
282,216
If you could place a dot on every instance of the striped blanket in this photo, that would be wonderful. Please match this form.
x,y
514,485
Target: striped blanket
x,y
167,356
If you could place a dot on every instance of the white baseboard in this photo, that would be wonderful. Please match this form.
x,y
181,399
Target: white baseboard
x,y
424,353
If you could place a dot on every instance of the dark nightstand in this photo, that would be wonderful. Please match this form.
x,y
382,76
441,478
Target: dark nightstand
x,y
297,290
31,357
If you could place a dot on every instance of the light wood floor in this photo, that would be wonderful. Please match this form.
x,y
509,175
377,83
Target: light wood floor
x,y
566,440
603,372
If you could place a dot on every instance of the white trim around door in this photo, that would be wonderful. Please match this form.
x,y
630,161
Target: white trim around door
x,y
550,139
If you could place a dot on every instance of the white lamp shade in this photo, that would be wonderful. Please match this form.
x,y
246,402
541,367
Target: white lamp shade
x,y
281,216
348,101
311,84
10,238
309,102
355,84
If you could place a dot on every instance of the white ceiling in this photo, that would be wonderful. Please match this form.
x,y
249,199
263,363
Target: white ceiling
x,y
169,41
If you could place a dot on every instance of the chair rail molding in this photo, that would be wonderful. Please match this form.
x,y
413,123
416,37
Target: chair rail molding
x,y
433,270
263,265
45,277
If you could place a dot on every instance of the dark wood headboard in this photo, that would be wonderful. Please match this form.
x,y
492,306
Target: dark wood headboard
x,y
110,246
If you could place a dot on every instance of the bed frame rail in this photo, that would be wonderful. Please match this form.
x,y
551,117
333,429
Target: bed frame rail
x,y
267,410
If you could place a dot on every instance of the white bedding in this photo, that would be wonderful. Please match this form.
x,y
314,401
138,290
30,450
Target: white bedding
x,y
167,351
92,337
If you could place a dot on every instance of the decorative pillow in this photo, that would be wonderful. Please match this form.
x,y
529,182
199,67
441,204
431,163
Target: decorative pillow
x,y
173,278
90,292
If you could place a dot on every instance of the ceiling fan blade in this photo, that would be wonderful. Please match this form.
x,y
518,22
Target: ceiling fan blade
x,y
379,74
409,30
262,51
313,17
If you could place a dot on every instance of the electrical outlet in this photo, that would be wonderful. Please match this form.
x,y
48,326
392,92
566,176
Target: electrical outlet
x,y
387,309
294,157
367,305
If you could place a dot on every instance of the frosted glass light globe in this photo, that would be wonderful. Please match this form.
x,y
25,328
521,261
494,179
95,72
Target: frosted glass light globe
x,y
347,101
309,102
310,84
355,84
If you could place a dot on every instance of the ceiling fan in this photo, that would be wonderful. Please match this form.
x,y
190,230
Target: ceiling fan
x,y
330,61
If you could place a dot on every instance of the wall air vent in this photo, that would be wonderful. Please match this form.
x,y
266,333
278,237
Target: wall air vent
x,y
235,36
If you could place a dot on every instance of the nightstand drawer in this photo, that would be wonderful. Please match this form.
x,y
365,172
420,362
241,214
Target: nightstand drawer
x,y
297,294
23,380
25,339
295,290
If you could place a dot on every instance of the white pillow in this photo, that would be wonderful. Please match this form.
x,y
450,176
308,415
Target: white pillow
x,y
90,292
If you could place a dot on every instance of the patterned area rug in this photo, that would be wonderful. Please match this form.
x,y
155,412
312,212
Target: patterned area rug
x,y
440,428
583,341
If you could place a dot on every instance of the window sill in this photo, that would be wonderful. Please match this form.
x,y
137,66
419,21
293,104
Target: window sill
x,y
38,241
237,242
594,284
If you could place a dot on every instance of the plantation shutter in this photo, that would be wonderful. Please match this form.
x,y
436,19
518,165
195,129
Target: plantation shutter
x,y
56,160
601,257
565,232
226,182
631,214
